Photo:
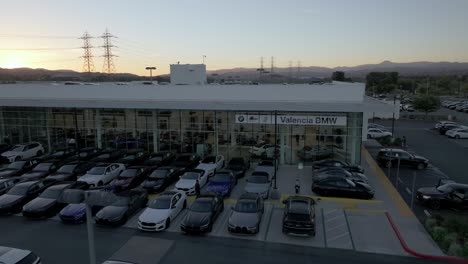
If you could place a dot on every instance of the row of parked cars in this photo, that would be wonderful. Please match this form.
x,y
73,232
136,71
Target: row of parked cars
x,y
377,131
460,106
452,129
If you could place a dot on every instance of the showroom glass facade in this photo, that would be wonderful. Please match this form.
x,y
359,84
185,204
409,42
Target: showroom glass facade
x,y
216,132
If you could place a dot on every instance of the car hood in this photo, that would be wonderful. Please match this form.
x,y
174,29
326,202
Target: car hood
x,y
197,218
256,187
206,166
365,186
420,158
74,210
39,203
58,176
152,183
90,178
243,219
218,186
10,153
7,172
151,215
429,191
183,183
37,174
8,199
112,212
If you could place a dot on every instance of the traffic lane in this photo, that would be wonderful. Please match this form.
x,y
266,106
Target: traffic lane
x,y
55,242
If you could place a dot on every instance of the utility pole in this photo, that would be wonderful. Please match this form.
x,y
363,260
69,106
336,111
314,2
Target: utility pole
x,y
290,71
88,65
151,72
108,56
272,64
204,57
298,68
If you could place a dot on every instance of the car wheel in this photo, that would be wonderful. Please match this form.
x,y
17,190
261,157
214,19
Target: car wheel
x,y
388,164
18,158
39,153
168,223
369,136
100,183
185,205
435,204
420,166
457,136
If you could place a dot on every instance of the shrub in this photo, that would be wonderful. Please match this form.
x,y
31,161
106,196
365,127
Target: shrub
x,y
430,224
439,234
448,241
455,249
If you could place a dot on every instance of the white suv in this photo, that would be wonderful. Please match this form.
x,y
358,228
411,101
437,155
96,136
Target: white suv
x,y
24,151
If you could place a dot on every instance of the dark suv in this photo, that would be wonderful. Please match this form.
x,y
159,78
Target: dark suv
x,y
445,194
238,166
299,215
390,157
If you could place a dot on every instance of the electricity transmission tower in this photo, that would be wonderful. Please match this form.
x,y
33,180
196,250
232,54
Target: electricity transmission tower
x,y
298,68
88,65
108,56
272,64
290,71
261,70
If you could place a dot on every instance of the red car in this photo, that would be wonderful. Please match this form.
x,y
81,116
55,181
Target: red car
x,y
130,178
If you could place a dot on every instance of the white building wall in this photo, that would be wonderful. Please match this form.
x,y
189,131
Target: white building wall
x,y
188,74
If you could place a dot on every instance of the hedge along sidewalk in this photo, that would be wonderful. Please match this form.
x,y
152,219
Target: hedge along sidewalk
x,y
450,232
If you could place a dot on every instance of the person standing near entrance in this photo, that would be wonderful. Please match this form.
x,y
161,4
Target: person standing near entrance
x,y
297,185
197,188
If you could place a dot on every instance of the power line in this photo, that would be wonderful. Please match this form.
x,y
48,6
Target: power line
x,y
88,65
108,56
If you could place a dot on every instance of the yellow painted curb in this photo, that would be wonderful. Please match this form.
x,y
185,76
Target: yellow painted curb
x,y
392,192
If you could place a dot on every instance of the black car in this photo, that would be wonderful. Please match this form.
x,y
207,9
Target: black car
x,y
299,215
445,194
160,179
160,159
133,157
5,147
59,154
342,187
390,157
42,170
443,129
85,154
202,214
238,166
337,163
129,178
71,170
109,155
17,168
47,203
124,206
7,184
339,172
20,194
186,161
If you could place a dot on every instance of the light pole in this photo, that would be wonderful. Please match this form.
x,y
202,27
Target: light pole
x,y
151,72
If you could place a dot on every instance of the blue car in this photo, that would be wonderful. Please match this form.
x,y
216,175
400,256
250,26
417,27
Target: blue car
x,y
76,213
222,183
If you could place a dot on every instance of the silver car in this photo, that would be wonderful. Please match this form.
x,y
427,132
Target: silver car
x,y
247,214
258,183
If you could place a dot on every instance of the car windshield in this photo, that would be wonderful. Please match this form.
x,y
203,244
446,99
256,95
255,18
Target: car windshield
x,y
16,165
190,176
97,170
159,174
66,169
221,178
266,163
160,203
209,159
51,193
42,167
129,173
246,207
19,190
257,179
446,188
17,149
121,201
201,206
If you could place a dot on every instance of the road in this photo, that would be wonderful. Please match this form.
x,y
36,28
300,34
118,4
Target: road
x,y
59,243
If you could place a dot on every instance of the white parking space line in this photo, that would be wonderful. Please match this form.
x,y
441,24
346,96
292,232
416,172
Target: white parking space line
x,y
220,225
427,213
408,191
338,236
175,225
400,181
336,227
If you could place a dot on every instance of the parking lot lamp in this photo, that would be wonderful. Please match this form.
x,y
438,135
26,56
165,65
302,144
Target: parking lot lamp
x,y
90,229
151,72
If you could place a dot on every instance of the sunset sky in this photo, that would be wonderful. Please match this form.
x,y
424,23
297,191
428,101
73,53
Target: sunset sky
x,y
44,34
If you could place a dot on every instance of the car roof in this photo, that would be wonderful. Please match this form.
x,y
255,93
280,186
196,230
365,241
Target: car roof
x,y
260,173
60,186
138,167
248,196
28,183
12,255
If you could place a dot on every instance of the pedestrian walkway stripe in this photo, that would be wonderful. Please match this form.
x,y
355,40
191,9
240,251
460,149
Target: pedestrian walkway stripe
x,y
268,225
349,229
324,230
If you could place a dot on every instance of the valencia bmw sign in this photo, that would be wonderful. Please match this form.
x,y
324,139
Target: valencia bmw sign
x,y
292,120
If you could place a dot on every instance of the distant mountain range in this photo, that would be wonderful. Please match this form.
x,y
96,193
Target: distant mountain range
x,y
360,71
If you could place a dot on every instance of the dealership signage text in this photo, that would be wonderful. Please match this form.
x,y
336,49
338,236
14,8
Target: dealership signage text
x,y
292,120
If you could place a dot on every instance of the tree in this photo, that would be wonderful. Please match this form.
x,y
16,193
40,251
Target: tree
x,y
338,76
426,103
382,82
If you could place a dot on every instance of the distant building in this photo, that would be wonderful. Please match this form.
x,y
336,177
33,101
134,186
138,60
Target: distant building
x,y
188,74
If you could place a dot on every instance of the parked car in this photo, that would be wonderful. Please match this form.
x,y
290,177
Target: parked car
x,y
389,157
445,194
42,169
202,214
109,155
457,133
127,204
443,123
7,184
238,166
342,187
377,133
258,183
160,159
222,184
316,152
24,151
264,150
102,174
85,154
130,178
17,168
75,213
374,125
12,202
71,171
59,154
299,215
160,179
340,172
337,163
186,161
162,211
247,214
188,179
10,255
266,166
133,157
443,129
47,204
211,164
5,147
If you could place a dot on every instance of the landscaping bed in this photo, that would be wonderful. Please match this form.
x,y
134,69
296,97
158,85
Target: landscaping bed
x,y
450,232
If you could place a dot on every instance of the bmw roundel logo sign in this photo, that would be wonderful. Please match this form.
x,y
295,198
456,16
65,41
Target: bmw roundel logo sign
x,y
241,119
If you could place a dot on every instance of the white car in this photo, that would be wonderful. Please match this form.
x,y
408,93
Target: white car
x,y
377,133
188,179
373,125
264,150
162,211
24,151
211,164
457,133
10,255
102,174
443,123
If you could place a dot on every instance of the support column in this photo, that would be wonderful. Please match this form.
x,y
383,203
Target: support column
x,y
355,139
48,117
282,143
2,126
154,122
98,127
130,121
216,137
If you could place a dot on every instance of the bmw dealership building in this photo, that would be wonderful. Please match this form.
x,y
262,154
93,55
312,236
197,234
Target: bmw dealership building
x,y
303,120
